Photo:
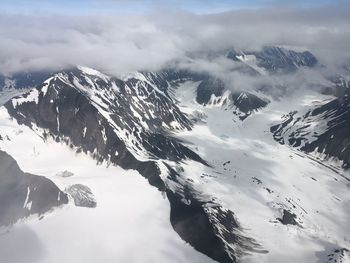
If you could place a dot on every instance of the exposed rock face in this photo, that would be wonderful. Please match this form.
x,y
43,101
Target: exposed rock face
x,y
288,218
213,92
277,59
129,123
23,194
192,223
324,130
82,195
65,174
209,87
108,118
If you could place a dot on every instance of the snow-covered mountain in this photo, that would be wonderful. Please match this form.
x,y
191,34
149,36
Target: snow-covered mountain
x,y
240,169
212,92
274,59
320,128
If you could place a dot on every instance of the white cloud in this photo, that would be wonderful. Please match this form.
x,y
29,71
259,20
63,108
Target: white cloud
x,y
119,44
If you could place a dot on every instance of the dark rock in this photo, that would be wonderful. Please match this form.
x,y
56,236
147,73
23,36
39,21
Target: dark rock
x,y
245,102
82,195
209,87
288,218
23,194
191,222
331,142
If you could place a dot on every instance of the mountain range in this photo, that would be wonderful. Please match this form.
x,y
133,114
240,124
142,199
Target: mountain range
x,y
249,175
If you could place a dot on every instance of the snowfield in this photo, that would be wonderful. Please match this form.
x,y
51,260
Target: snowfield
x,y
258,179
294,205
130,223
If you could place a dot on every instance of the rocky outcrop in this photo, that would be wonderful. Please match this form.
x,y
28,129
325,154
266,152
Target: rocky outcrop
x,y
23,194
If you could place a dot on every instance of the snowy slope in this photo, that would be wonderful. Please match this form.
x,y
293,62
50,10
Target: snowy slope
x,y
235,193
95,114
129,224
260,180
321,129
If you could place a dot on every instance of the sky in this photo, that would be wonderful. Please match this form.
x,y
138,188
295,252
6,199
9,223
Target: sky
x,y
120,36
86,7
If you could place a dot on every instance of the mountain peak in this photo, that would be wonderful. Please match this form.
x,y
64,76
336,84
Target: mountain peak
x,y
93,72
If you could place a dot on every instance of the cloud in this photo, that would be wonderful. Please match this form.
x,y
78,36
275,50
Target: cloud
x,y
240,77
124,43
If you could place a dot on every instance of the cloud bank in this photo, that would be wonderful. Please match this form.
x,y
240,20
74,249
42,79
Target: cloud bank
x,y
124,43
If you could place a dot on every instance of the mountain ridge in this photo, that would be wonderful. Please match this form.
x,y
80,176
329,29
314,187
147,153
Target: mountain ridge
x,y
199,153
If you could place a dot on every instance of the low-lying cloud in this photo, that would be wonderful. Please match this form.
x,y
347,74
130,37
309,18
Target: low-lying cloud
x,y
124,43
